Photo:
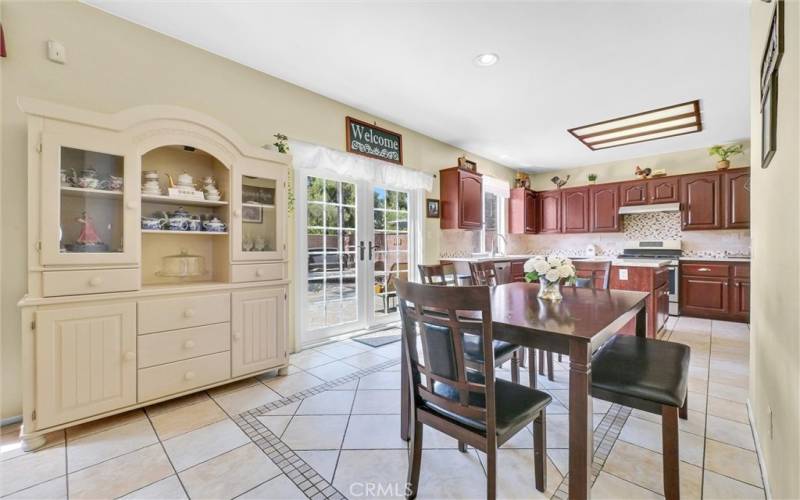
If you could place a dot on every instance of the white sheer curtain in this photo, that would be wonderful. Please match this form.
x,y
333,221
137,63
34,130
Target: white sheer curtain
x,y
315,157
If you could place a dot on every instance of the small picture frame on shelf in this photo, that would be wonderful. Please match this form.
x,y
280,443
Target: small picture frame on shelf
x,y
252,215
432,208
258,195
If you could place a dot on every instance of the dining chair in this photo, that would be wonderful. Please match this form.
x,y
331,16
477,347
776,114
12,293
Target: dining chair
x,y
437,274
485,274
467,404
648,375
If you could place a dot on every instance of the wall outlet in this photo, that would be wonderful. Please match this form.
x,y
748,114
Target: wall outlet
x,y
623,275
56,52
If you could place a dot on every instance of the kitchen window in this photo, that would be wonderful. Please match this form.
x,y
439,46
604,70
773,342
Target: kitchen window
x,y
495,203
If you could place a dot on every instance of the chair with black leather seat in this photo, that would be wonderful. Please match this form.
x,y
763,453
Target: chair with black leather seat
x,y
437,274
652,376
485,274
467,404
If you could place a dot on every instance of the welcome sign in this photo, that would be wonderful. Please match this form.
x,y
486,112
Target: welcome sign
x,y
373,141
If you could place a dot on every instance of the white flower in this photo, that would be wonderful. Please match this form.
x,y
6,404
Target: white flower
x,y
528,267
567,262
554,260
541,266
551,275
566,271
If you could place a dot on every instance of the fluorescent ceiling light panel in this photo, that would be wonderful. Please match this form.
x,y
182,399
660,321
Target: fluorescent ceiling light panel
x,y
647,126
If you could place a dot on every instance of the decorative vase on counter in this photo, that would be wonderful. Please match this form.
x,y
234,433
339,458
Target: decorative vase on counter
x,y
549,290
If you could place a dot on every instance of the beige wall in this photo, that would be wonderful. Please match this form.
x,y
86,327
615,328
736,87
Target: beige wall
x,y
775,297
113,65
681,162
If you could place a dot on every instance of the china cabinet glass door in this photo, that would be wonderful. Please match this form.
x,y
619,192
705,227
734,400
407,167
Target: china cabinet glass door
x,y
259,213
89,200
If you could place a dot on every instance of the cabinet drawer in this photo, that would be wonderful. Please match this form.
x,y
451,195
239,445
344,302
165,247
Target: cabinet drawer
x,y
741,270
184,375
57,283
159,315
717,270
166,347
258,272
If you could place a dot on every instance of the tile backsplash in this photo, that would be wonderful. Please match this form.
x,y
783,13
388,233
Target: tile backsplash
x,y
458,243
651,226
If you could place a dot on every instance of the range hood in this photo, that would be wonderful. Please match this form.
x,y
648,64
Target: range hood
x,y
647,209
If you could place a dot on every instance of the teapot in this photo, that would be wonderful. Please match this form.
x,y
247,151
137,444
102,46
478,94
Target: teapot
x,y
214,224
185,180
178,220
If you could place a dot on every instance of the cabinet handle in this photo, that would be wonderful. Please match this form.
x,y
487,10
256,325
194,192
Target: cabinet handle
x,y
189,344
130,356
189,375
259,272
131,205
237,336
188,313
96,281
703,270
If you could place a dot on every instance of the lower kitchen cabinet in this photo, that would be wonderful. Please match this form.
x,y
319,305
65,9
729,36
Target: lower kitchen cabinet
x,y
85,361
715,290
258,323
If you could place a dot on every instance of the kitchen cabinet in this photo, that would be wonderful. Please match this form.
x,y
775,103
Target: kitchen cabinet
x,y
461,195
716,290
258,194
701,196
86,361
518,271
655,281
663,190
575,210
257,325
737,198
522,211
604,208
634,193
661,298
549,209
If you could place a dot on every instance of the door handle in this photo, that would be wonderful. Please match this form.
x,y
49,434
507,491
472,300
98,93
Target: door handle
x,y
370,250
361,250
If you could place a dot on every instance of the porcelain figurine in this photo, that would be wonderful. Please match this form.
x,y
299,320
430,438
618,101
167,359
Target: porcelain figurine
x,y
88,240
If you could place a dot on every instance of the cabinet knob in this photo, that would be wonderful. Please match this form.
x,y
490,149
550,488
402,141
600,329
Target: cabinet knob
x,y
259,272
188,313
237,335
130,356
189,375
237,212
96,281
189,344
131,205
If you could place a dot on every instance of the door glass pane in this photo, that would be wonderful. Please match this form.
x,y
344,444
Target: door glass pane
x,y
332,253
489,219
391,259
258,214
91,202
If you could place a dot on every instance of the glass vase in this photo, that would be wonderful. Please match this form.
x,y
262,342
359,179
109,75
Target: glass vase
x,y
549,290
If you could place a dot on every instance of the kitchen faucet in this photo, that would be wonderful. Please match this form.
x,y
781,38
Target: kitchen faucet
x,y
495,241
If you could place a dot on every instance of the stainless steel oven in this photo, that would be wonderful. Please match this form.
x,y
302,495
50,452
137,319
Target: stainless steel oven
x,y
674,287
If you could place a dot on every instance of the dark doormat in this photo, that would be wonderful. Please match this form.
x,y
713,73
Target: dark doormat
x,y
378,339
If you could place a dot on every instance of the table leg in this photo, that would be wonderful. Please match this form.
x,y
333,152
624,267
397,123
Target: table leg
x,y
580,420
405,403
641,322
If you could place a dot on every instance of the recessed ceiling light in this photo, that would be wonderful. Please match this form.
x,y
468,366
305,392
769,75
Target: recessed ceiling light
x,y
658,123
487,59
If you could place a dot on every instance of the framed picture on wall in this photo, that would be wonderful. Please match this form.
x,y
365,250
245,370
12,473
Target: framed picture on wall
x,y
252,214
769,122
770,61
432,208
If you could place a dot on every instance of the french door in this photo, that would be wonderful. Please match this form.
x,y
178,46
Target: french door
x,y
355,240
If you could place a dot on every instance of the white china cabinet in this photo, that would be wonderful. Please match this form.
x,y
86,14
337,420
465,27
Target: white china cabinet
x,y
156,265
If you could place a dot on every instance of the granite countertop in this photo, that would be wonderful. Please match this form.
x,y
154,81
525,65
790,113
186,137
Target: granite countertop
x,y
716,259
496,258
640,263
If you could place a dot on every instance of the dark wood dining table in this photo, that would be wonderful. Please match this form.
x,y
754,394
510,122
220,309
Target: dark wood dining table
x,y
576,326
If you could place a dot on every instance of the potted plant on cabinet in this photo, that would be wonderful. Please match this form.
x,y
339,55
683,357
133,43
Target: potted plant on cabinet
x,y
724,154
592,178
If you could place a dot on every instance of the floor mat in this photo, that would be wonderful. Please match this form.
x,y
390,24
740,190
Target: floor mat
x,y
378,339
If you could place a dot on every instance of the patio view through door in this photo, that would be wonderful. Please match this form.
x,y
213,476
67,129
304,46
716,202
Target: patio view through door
x,y
356,243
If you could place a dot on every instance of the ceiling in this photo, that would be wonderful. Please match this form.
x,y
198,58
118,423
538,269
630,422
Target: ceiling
x,y
562,64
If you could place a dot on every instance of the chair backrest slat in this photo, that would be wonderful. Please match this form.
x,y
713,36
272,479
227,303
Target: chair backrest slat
x,y
440,317
483,273
437,274
597,272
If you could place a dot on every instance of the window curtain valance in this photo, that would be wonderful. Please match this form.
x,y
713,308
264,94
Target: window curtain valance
x,y
315,157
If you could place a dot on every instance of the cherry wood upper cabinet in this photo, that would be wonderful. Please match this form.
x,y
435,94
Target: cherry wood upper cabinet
x,y
701,196
737,198
575,210
663,190
634,193
604,208
549,208
461,193
522,211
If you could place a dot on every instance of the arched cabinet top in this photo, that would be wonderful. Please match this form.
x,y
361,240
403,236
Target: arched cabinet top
x,y
154,126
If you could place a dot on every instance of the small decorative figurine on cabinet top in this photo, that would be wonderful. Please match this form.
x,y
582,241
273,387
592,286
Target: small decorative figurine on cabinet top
x,y
559,182
642,173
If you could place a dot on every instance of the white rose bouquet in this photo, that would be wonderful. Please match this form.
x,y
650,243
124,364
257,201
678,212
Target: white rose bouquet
x,y
550,272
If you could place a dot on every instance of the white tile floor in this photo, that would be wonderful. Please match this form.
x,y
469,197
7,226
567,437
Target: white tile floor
x,y
348,434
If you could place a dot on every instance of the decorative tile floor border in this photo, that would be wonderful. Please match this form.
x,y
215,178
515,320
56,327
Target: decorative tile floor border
x,y
308,480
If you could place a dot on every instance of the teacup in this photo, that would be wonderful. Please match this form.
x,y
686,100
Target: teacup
x,y
214,226
152,223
